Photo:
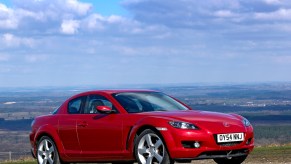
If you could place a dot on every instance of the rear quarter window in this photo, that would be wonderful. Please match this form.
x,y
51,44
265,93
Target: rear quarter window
x,y
75,105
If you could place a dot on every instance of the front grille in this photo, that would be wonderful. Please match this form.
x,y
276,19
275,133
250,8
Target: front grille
x,y
223,154
228,143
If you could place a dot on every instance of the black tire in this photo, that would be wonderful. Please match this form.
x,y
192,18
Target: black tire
x,y
149,146
47,152
123,162
234,160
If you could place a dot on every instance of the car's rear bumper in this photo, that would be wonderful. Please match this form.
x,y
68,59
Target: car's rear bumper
x,y
32,153
33,146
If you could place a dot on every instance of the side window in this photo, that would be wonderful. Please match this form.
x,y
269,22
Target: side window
x,y
96,100
75,105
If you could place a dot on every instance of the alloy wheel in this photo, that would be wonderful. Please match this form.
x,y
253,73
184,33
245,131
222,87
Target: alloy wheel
x,y
46,152
151,149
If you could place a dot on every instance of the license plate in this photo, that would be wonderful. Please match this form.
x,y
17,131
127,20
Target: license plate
x,y
230,137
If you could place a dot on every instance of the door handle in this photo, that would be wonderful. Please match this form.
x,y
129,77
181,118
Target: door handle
x,y
83,124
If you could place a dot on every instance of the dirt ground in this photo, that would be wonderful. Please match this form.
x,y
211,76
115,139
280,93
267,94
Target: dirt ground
x,y
246,162
275,158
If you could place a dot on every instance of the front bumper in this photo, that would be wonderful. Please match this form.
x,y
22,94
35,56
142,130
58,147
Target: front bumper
x,y
176,138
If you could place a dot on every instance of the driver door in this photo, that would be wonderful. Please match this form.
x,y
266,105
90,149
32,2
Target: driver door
x,y
100,135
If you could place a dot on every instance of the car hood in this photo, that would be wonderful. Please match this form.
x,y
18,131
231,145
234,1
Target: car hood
x,y
213,121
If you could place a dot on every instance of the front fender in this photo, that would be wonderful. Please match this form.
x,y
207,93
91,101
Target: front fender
x,y
159,124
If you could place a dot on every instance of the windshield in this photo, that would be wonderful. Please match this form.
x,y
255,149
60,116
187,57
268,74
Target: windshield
x,y
135,102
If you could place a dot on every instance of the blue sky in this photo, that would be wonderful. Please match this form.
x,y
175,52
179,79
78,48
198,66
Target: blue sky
x,y
115,42
108,7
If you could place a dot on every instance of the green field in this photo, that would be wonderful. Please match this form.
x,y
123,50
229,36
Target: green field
x,y
260,155
280,154
21,162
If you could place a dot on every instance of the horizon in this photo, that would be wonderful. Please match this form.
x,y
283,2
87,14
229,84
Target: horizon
x,y
142,86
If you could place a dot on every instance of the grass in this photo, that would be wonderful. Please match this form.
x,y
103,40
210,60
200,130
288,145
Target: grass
x,y
260,155
21,162
276,154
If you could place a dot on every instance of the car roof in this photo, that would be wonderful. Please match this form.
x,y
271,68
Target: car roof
x,y
128,90
113,91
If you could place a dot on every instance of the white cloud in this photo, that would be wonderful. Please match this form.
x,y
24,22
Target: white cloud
x,y
224,13
185,13
94,21
7,18
57,6
273,2
4,10
47,12
70,26
280,14
8,24
35,58
11,40
24,14
115,19
204,35
78,7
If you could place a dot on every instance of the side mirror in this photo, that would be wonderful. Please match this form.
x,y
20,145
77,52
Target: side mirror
x,y
104,109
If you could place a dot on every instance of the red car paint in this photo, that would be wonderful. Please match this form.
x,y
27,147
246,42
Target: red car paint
x,y
111,137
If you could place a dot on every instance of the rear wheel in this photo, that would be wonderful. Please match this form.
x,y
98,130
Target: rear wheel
x,y
150,148
233,160
123,162
47,152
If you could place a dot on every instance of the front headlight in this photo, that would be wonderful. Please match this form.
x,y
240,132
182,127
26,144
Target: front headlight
x,y
246,122
182,125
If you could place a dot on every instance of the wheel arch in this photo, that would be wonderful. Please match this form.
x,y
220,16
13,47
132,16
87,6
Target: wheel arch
x,y
49,131
144,127
37,139
134,133
146,130
148,123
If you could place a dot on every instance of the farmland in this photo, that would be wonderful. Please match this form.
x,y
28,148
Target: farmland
x,y
267,106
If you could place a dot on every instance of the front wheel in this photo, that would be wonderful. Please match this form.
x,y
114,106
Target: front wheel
x,y
150,148
233,160
47,152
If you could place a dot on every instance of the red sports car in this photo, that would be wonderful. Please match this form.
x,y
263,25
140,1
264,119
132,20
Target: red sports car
x,y
122,126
